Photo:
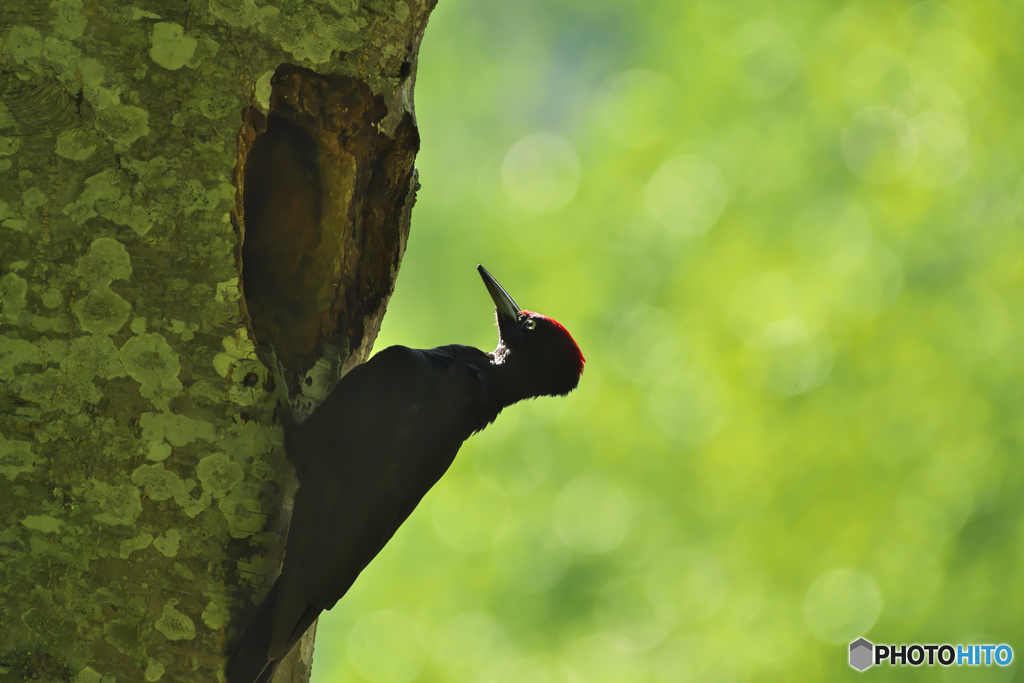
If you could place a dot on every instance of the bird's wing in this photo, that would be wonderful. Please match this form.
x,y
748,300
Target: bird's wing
x,y
353,480
366,401
364,460
451,404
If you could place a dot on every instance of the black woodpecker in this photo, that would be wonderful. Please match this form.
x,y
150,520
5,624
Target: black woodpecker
x,y
375,446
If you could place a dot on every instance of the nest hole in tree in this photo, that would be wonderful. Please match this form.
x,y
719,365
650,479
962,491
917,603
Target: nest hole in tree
x,y
322,215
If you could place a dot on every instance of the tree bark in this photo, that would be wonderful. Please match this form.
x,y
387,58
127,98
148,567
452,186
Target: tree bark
x,y
202,205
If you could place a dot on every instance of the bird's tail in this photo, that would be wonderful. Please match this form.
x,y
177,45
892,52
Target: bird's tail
x,y
249,660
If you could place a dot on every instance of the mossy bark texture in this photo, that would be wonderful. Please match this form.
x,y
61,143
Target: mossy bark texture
x,y
144,295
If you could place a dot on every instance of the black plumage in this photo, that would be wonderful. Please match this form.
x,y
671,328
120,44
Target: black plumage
x,y
371,451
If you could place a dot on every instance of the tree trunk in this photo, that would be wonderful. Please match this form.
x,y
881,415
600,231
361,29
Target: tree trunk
x,y
190,194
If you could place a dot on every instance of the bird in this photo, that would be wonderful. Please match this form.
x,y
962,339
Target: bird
x,y
369,453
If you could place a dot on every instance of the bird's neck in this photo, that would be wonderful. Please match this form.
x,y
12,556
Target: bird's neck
x,y
502,381
509,382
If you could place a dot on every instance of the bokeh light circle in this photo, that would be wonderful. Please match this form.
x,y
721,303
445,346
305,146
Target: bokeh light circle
x,y
879,144
688,658
877,75
638,108
540,173
470,532
943,157
387,647
603,658
842,605
687,585
466,640
686,195
688,407
770,58
792,361
833,233
621,608
592,514
531,559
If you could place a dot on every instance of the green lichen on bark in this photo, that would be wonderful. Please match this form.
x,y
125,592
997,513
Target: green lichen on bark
x,y
140,475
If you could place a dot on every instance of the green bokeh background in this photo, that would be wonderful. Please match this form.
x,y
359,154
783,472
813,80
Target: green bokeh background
x,y
787,237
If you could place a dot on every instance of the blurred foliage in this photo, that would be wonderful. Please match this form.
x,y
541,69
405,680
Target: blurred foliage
x,y
787,237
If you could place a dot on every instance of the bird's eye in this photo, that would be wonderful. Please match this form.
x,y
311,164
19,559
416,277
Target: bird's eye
x,y
530,323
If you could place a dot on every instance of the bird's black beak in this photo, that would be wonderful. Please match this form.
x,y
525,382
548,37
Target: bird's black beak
x,y
504,304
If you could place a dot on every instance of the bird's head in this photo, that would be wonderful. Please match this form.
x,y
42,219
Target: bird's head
x,y
538,346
